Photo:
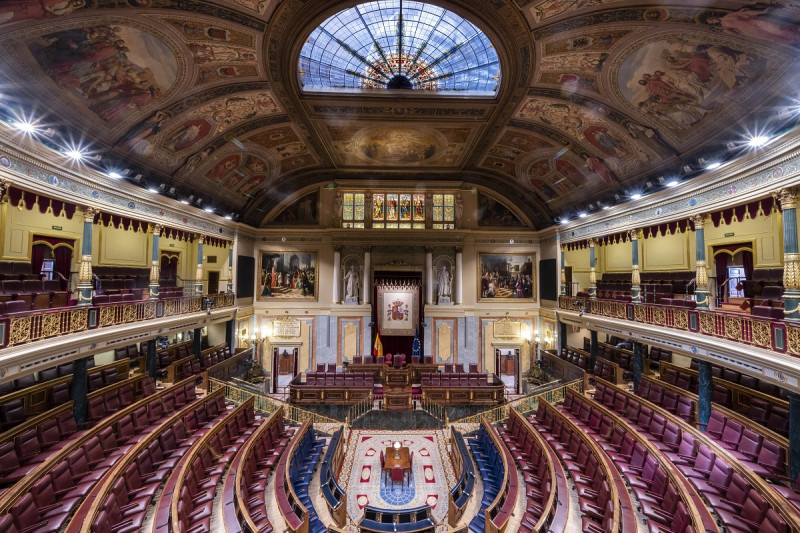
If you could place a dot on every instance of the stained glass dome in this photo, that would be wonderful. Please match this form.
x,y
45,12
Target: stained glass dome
x,y
399,45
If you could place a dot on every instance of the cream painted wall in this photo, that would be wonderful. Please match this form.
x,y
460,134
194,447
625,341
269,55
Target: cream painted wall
x,y
766,233
614,257
579,261
122,247
668,252
19,225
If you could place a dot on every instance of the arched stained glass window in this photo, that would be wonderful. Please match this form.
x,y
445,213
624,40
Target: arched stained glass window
x,y
397,44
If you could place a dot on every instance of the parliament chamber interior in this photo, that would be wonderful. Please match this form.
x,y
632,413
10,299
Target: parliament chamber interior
x,y
586,317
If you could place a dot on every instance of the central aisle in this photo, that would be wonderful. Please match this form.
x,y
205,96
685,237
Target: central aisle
x,y
431,479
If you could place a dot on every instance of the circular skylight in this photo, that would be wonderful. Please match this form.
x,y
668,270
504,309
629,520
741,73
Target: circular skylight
x,y
399,45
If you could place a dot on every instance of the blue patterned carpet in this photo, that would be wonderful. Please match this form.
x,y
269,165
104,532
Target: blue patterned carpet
x,y
400,494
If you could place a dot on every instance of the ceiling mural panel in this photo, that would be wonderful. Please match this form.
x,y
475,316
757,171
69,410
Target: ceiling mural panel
x,y
204,97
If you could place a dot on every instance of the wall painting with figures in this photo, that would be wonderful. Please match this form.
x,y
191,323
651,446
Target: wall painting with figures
x,y
507,276
287,276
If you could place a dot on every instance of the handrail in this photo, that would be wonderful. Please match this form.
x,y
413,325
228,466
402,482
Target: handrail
x,y
360,409
690,496
331,463
224,367
266,404
497,514
195,450
16,491
297,521
33,326
780,504
434,408
85,516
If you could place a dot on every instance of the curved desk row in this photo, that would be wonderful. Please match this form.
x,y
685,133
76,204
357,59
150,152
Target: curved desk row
x,y
335,496
462,491
416,520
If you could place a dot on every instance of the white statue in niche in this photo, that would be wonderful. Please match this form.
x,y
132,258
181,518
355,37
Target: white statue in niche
x,y
444,285
351,285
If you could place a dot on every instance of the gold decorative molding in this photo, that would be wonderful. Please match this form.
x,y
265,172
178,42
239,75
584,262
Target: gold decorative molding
x,y
89,213
791,271
635,277
633,234
787,198
698,220
156,230
85,272
702,274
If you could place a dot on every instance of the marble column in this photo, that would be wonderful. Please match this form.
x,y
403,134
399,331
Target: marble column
x,y
198,273
230,270
337,267
701,289
592,348
791,259
563,272
85,272
155,262
705,390
794,433
636,282
592,275
428,276
198,344
638,364
459,275
366,293
230,335
80,390
562,336
151,360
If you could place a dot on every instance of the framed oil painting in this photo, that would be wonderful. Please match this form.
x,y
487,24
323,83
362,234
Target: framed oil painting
x,y
508,276
287,276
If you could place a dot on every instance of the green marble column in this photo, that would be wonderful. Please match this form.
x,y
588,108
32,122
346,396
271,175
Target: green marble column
x,y
198,275
85,272
791,259
701,290
155,262
705,391
638,364
230,270
794,434
151,359
592,275
636,283
79,390
563,273
198,344
592,348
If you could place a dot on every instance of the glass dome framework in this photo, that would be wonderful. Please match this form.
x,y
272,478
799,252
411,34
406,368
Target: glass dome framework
x,y
395,44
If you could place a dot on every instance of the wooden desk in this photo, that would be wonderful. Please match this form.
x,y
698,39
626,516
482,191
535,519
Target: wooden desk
x,y
404,461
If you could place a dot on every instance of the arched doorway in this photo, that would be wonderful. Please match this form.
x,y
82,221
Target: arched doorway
x,y
52,257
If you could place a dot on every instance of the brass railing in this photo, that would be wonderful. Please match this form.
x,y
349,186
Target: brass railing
x,y
436,410
776,335
37,325
523,405
360,409
267,405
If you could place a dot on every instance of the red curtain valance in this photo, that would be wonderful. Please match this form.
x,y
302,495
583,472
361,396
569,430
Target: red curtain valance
x,y
30,201
578,245
763,207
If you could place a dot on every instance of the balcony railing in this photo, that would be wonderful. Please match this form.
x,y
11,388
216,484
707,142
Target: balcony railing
x,y
22,328
777,335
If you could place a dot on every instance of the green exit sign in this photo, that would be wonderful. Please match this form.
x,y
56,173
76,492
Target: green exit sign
x,y
729,234
57,228
172,245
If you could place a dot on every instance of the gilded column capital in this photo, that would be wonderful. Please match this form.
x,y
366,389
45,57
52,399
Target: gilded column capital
x,y
89,213
157,230
791,271
592,242
787,198
201,239
633,234
698,220
3,186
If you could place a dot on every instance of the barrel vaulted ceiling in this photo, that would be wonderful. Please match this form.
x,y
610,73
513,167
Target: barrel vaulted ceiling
x,y
203,97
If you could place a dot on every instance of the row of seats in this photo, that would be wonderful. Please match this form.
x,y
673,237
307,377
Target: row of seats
x,y
492,468
301,466
416,520
182,368
17,270
465,485
455,379
534,461
35,294
66,483
106,299
762,454
250,470
340,379
151,460
662,496
734,376
101,406
202,472
678,302
331,490
739,506
130,352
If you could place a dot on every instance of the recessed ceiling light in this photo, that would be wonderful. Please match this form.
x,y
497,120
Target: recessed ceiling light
x,y
564,220
759,140
209,209
673,183
229,217
606,207
153,190
712,166
186,202
77,155
25,126
114,175
636,196
582,215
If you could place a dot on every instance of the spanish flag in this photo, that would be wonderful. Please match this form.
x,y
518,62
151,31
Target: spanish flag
x,y
377,350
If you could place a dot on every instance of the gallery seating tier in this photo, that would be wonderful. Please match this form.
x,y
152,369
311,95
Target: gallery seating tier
x,y
122,498
244,493
739,496
77,463
460,494
547,496
335,496
18,296
415,520
667,500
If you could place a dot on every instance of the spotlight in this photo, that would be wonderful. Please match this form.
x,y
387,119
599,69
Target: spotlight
x,y
636,196
229,217
209,209
712,166
687,168
75,154
582,215
759,140
25,126
606,207
564,220
185,202
673,183
114,175
152,190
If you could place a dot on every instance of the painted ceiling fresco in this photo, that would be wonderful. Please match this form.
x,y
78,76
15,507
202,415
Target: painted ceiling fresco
x,y
203,97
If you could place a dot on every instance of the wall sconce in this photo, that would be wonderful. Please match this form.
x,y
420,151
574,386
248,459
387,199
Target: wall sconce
x,y
536,336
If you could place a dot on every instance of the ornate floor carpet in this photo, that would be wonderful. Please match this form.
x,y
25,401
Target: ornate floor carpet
x,y
431,476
